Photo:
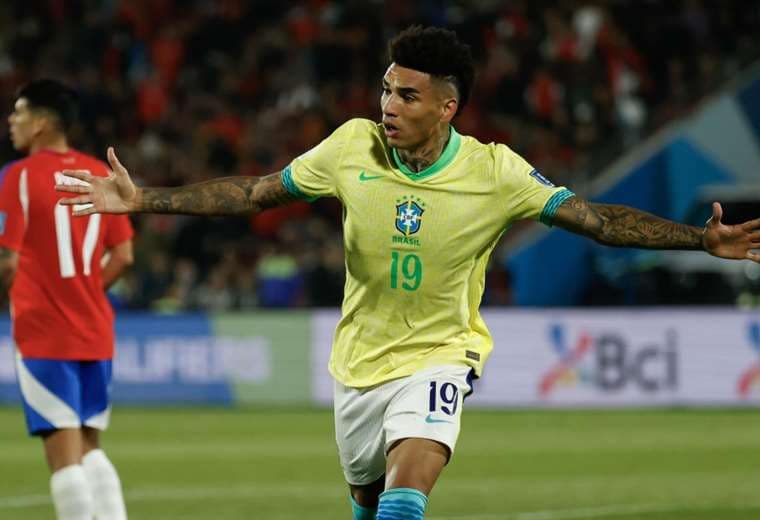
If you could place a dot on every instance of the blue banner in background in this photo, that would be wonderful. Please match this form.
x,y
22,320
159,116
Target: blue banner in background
x,y
218,359
8,388
169,358
749,100
159,359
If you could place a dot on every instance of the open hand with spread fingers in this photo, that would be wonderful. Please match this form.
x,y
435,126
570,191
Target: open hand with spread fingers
x,y
113,194
738,242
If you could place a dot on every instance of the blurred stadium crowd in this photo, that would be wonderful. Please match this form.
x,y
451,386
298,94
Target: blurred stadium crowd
x,y
191,90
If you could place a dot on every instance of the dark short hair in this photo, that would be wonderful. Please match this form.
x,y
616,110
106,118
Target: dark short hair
x,y
437,52
52,96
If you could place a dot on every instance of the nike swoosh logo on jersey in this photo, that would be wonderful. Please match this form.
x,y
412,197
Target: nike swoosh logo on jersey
x,y
364,177
429,419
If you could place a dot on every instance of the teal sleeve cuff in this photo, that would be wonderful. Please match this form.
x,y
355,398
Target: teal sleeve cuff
x,y
290,185
553,204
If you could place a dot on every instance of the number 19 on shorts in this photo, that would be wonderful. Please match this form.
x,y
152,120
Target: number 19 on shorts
x,y
408,267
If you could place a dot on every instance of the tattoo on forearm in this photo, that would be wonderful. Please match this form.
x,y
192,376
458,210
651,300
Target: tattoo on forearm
x,y
623,226
225,196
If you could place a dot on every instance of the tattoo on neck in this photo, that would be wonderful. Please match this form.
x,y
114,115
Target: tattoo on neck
x,y
423,157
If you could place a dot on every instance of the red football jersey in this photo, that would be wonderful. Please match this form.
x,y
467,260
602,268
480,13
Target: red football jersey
x,y
58,306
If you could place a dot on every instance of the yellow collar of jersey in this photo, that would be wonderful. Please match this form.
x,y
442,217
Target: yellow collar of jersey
x,y
449,152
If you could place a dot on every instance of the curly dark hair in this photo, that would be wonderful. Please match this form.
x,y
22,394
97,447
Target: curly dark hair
x,y
438,52
54,97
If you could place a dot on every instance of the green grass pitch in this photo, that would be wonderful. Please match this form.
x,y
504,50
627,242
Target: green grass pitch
x,y
201,463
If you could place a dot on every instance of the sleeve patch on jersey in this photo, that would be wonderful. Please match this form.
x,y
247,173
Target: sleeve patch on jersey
x,y
553,204
540,178
3,217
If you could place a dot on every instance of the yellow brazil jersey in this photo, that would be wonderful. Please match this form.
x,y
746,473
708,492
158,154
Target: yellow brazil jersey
x,y
416,245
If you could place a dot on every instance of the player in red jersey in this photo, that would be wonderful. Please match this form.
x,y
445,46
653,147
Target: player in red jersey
x,y
57,268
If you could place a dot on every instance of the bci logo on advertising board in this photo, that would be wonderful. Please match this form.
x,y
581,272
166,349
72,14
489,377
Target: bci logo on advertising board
x,y
610,362
749,380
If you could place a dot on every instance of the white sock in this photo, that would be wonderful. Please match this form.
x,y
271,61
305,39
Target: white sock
x,y
72,496
105,485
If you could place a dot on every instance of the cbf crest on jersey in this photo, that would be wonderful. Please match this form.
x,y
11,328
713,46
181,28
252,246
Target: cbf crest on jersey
x,y
540,178
409,212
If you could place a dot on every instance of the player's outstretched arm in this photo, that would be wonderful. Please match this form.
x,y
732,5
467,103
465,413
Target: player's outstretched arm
x,y
623,226
225,196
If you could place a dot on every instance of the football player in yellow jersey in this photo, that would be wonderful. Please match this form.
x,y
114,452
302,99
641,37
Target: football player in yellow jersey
x,y
424,207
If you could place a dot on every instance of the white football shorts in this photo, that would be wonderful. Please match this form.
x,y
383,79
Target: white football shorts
x,y
368,421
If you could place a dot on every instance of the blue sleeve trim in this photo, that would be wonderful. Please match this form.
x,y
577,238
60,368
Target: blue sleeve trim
x,y
553,204
290,185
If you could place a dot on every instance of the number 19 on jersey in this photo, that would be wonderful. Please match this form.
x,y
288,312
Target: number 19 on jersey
x,y
409,266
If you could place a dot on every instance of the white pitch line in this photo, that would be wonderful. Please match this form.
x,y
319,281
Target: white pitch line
x,y
180,451
569,514
330,492
21,502
584,513
156,494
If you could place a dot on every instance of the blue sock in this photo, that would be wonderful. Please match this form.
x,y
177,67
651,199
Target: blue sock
x,y
402,504
362,513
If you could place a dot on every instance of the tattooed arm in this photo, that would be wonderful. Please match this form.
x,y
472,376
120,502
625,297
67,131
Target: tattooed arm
x,y
225,196
8,265
623,226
